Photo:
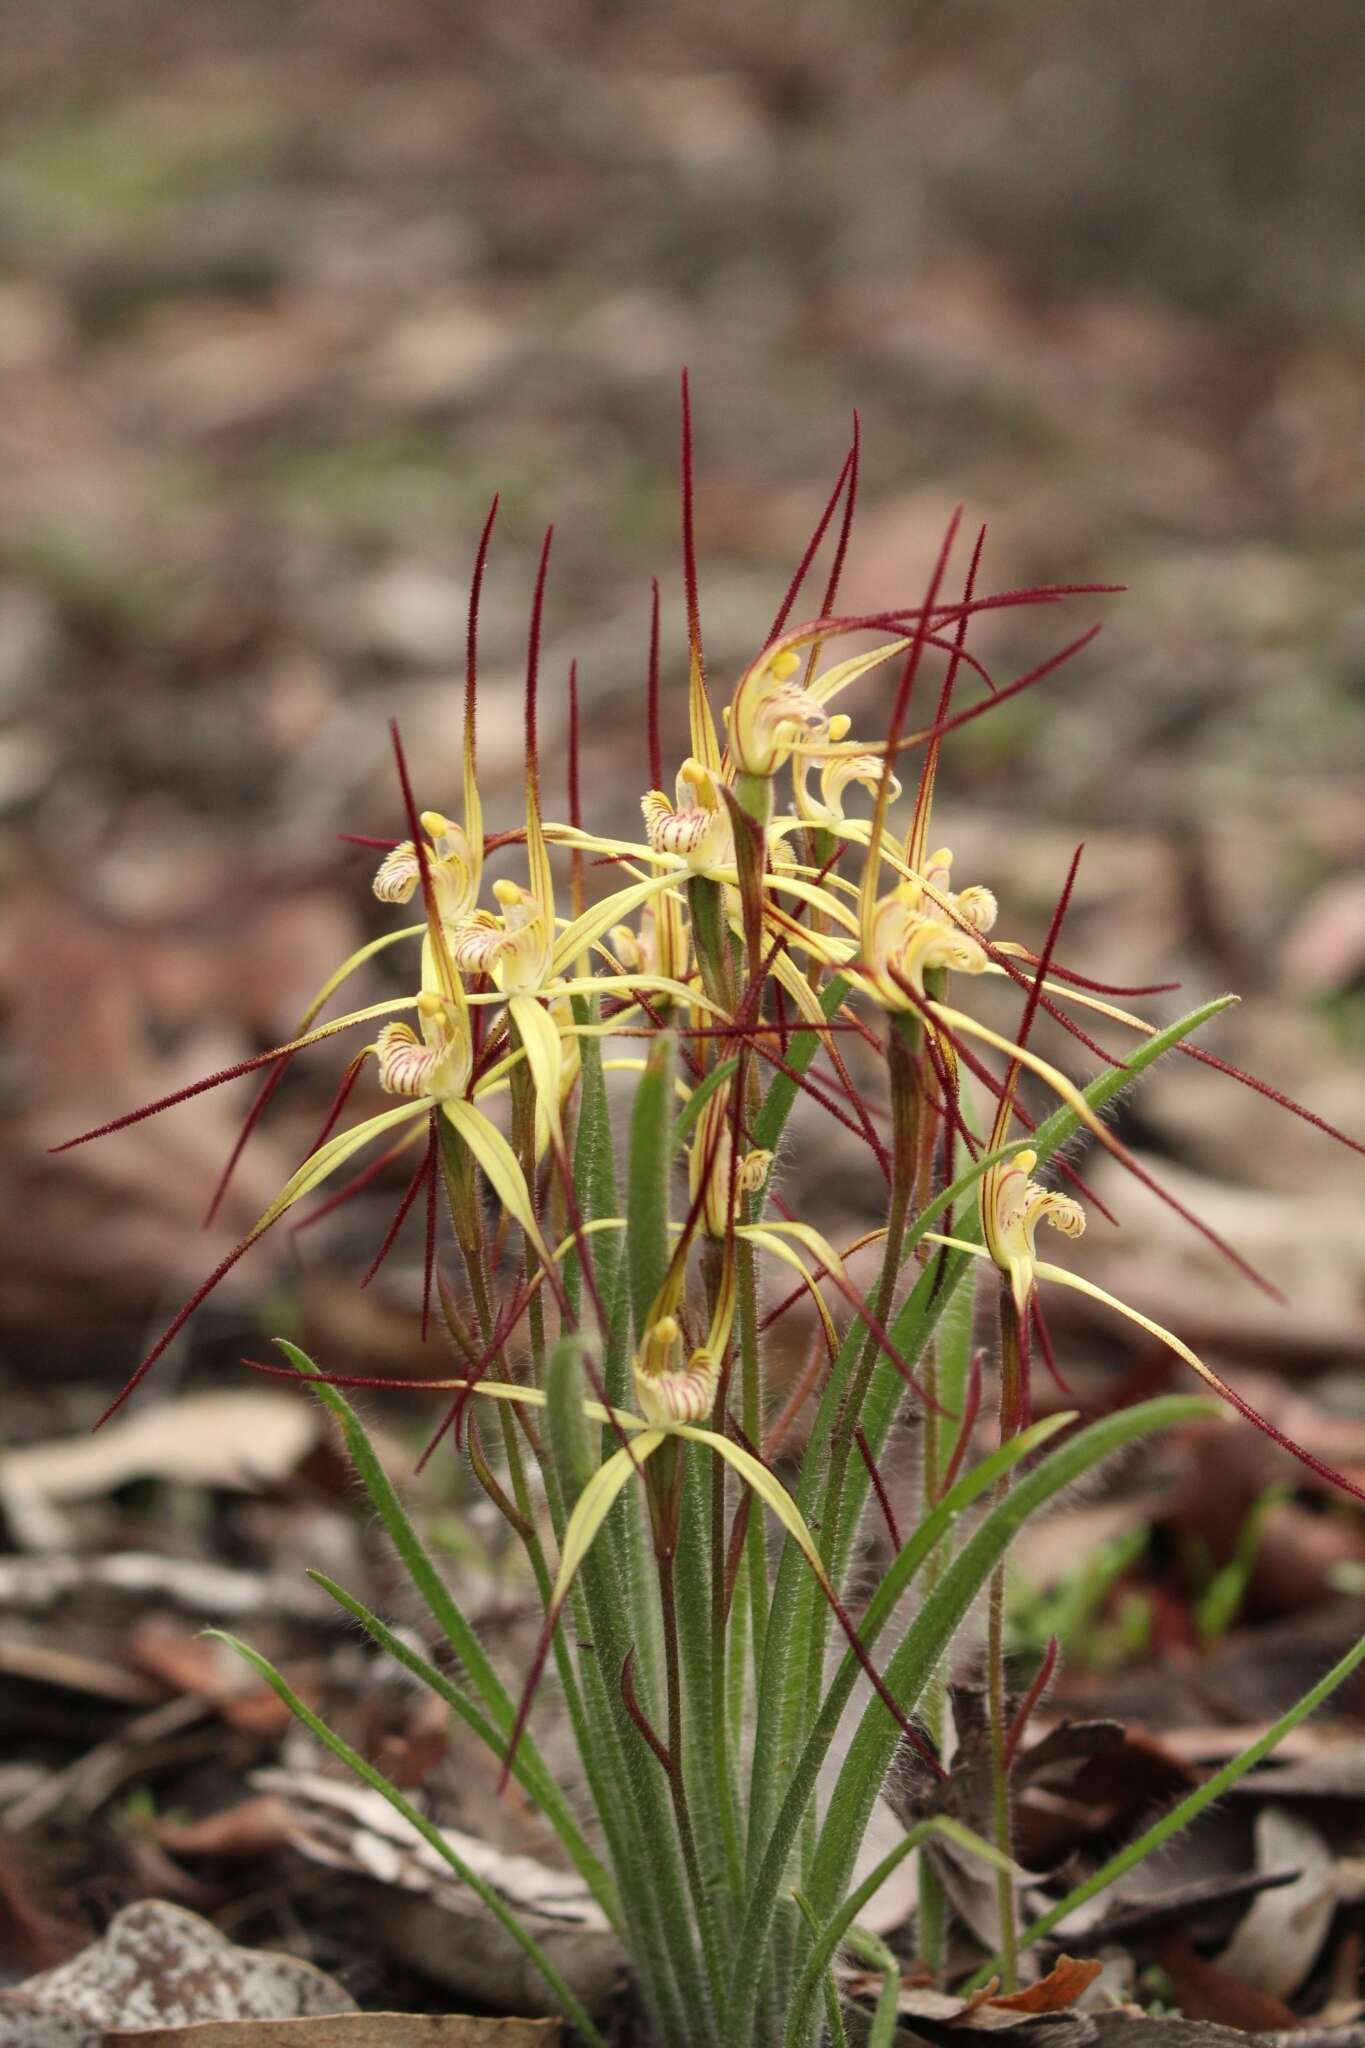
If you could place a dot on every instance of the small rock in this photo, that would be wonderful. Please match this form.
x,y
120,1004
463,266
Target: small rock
x,y
158,1965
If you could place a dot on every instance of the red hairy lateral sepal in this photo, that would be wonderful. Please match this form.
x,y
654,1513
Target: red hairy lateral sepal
x,y
471,666
409,1196
695,652
847,477
533,668
1063,903
656,752
169,1335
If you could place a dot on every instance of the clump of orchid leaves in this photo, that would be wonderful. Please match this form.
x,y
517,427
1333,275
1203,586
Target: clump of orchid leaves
x,y
607,1283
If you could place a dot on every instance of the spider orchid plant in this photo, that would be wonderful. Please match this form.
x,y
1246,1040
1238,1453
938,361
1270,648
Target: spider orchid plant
x,y
744,1632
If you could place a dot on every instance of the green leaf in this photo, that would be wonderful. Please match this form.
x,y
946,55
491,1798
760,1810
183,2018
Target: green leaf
x,y
430,1833
837,1927
527,1768
1189,1808
697,1101
934,1627
594,1166
651,1157
573,1444
875,1955
441,1603
834,2017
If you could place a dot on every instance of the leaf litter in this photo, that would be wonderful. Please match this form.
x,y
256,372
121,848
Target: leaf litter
x,y
222,322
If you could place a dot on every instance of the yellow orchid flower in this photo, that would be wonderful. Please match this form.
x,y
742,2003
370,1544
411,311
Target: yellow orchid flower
x,y
668,1391
696,828
1012,1205
770,713
661,947
838,775
454,863
771,716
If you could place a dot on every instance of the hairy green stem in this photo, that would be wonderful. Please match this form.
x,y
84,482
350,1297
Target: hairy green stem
x,y
1012,1395
664,1481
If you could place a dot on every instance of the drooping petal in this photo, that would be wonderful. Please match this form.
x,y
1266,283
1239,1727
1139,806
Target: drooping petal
x,y
1063,1278
500,1163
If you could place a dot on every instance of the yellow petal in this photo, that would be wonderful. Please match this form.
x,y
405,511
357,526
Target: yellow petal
x,y
499,1162
325,1161
544,1055
828,686
767,1241
593,1506
770,1491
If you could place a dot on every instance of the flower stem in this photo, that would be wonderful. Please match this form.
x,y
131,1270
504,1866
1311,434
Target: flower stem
x,y
1011,1408
907,1101
722,1754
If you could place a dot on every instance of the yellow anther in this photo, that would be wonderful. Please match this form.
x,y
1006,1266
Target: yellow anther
x,y
437,825
839,725
701,780
667,1330
784,665
429,1004
508,893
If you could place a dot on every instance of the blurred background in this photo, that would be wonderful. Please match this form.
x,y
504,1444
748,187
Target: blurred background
x,y
288,292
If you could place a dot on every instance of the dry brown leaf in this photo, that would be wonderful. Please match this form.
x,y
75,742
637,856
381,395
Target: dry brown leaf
x,y
347,2030
978,2016
1061,1987
48,1664
1205,1991
31,1585
1280,1938
239,1439
423,1914
187,1663
101,1234
991,2012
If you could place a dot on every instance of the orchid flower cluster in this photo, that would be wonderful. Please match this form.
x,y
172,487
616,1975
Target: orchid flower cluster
x,y
698,1534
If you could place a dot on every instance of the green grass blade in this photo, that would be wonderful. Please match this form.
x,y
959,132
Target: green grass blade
x,y
925,1641
697,1100
1192,1805
445,1610
834,2016
594,1162
875,1955
575,1443
839,1924
527,1768
651,1158
430,1833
